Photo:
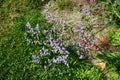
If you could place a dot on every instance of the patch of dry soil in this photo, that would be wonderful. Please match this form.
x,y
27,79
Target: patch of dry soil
x,y
82,7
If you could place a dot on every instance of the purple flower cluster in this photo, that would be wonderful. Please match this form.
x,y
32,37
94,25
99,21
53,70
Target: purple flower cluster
x,y
58,47
80,54
44,52
29,40
51,19
49,16
81,31
55,44
80,50
35,58
92,20
62,22
85,35
31,30
61,59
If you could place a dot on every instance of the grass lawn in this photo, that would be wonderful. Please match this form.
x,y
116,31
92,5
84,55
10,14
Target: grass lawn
x,y
16,55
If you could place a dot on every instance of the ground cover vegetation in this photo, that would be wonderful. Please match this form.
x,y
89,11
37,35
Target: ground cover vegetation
x,y
37,45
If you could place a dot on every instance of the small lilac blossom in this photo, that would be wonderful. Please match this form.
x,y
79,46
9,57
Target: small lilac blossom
x,y
45,31
36,61
57,21
81,57
44,52
93,20
85,10
81,23
37,28
48,15
62,22
31,30
61,59
44,42
52,43
29,40
80,28
81,54
35,58
28,25
55,60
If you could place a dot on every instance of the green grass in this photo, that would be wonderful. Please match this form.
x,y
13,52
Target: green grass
x,y
113,66
16,60
14,52
10,9
16,57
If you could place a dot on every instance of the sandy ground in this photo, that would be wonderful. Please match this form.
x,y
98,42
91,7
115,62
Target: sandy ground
x,y
75,15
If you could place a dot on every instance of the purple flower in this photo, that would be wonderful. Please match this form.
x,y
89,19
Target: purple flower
x,y
62,22
35,58
52,43
81,23
85,10
48,15
36,61
81,57
31,30
29,40
58,47
45,31
61,59
55,60
92,20
44,52
28,25
37,28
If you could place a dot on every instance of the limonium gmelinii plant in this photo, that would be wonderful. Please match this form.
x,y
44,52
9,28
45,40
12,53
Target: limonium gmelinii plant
x,y
53,48
50,46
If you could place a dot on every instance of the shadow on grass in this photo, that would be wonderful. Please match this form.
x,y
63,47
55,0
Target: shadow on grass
x,y
113,64
16,61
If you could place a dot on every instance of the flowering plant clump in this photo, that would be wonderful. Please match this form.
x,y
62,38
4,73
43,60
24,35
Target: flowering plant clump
x,y
84,29
85,35
49,46
52,44
52,49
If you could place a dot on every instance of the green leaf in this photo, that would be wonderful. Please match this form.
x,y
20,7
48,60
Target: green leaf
x,y
118,2
106,20
116,39
115,25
